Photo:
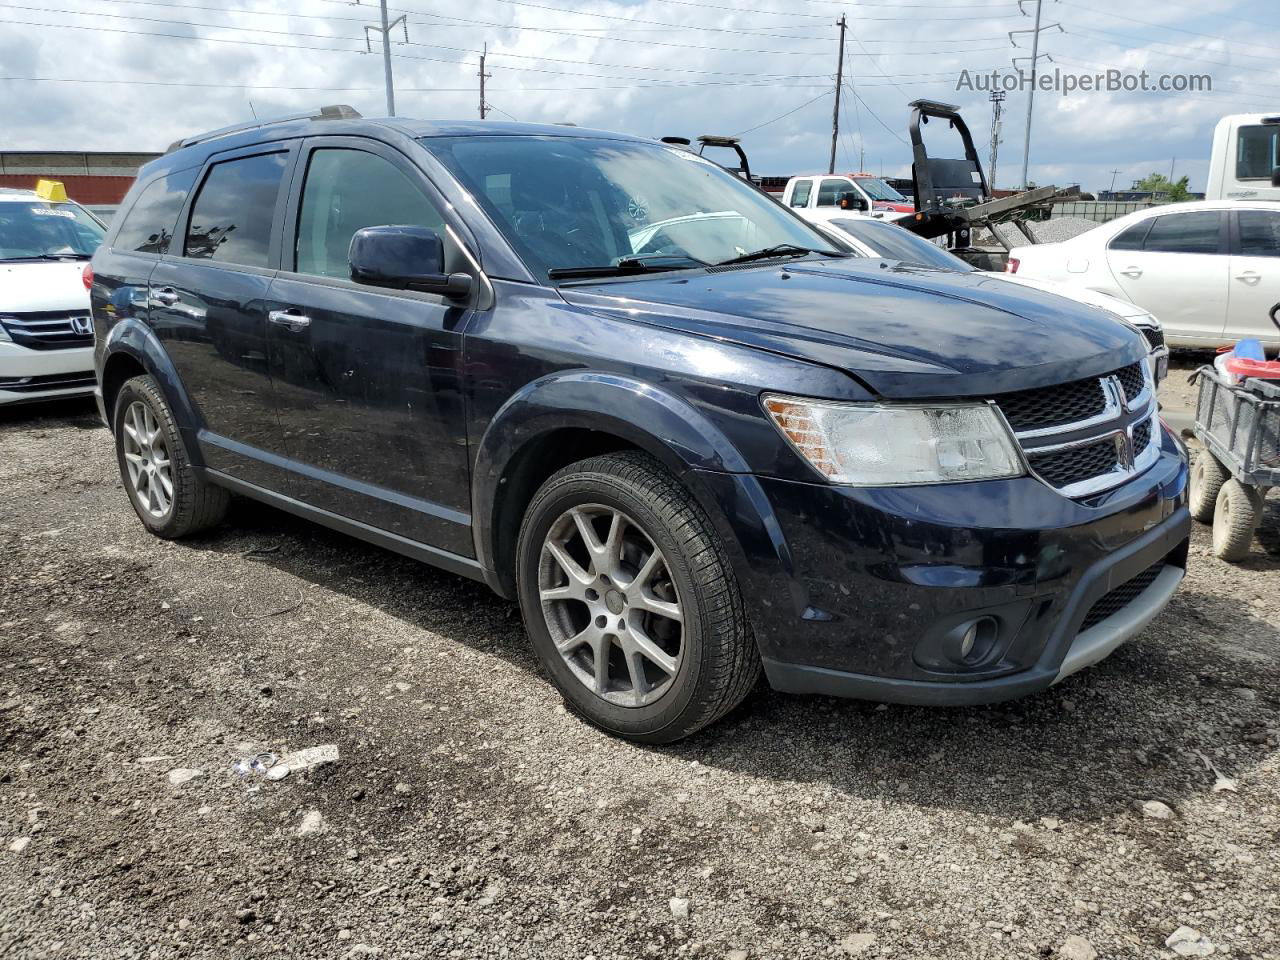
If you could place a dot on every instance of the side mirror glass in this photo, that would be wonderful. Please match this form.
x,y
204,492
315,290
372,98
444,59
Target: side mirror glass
x,y
849,200
404,258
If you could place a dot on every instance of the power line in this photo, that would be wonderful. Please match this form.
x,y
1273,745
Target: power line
x,y
875,115
824,93
1162,26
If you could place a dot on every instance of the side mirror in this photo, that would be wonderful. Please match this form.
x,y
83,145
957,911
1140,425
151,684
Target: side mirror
x,y
851,201
1275,176
404,258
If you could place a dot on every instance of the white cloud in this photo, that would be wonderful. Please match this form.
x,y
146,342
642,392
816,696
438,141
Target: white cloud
x,y
621,62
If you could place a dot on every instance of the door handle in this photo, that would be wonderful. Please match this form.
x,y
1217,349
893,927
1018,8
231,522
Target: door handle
x,y
166,295
1133,272
289,319
1249,276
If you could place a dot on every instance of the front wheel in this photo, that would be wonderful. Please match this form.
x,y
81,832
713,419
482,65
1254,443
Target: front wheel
x,y
630,601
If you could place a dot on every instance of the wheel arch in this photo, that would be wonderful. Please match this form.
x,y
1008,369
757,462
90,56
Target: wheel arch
x,y
562,419
132,349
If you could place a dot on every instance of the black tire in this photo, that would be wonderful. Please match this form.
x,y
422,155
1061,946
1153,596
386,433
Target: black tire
x,y
195,504
1207,478
718,663
1235,518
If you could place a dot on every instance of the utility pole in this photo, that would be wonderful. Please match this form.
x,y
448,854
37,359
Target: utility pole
x,y
1035,63
385,30
997,109
483,77
1113,181
835,114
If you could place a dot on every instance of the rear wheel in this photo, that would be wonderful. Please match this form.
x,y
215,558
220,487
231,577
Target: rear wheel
x,y
630,601
170,497
1207,477
1235,518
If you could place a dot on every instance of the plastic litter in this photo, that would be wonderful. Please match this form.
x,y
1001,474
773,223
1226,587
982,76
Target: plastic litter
x,y
260,764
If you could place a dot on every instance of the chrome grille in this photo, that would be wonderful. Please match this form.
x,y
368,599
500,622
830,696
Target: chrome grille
x,y
1065,403
49,329
1079,463
1134,380
1086,436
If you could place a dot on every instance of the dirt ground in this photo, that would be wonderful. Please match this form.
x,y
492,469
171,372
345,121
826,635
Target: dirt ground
x,y
469,815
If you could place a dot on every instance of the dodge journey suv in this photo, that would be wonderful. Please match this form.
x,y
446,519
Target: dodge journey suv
x,y
627,389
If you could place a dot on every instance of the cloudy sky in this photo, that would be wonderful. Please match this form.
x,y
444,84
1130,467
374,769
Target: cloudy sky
x,y
137,74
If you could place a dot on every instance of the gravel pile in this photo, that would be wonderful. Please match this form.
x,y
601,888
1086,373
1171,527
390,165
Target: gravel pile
x,y
456,810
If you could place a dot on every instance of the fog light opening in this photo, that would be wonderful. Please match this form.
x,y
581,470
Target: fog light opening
x,y
975,641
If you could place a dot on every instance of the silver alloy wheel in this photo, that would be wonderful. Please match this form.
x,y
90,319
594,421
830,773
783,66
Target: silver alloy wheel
x,y
611,605
147,459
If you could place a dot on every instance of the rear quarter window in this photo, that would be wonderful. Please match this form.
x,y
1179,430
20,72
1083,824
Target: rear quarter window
x,y
148,225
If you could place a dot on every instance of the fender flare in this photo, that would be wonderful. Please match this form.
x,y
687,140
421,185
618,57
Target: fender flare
x,y
654,420
138,341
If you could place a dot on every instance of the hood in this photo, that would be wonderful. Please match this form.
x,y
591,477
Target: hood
x,y
904,331
42,285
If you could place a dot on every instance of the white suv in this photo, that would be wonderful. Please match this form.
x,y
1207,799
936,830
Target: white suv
x,y
46,334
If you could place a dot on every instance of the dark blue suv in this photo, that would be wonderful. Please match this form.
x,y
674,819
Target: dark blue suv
x,y
626,388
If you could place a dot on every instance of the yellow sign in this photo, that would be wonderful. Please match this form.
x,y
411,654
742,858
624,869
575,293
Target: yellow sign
x,y
51,190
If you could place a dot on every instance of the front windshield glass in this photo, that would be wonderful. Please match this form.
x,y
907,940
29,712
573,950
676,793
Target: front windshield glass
x,y
33,230
894,243
879,190
569,202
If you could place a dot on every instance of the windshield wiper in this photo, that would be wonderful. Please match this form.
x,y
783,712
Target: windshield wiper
x,y
778,250
651,263
49,256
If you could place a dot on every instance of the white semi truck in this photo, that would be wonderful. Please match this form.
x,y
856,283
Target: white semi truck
x,y
1245,162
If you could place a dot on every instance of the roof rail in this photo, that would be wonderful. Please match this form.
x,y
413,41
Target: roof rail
x,y
337,111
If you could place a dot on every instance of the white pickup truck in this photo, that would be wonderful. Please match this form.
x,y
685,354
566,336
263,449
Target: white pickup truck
x,y
870,195
1245,160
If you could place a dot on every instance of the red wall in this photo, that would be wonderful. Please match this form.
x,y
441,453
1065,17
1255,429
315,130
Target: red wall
x,y
81,189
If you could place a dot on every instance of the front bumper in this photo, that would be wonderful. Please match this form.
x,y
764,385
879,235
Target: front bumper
x,y
862,592
28,375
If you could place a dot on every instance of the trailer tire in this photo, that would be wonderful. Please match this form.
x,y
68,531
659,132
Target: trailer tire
x,y
1235,518
1207,477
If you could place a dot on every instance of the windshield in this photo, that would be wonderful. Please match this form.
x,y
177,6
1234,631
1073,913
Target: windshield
x,y
879,190
32,230
894,243
568,202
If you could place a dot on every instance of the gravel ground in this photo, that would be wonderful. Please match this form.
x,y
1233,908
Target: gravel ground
x,y
468,815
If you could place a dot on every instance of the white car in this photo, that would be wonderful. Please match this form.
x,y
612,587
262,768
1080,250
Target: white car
x,y
876,238
1210,270
46,333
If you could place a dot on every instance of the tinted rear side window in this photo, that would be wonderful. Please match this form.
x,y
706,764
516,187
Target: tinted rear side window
x,y
1131,238
149,224
1259,233
231,218
1185,233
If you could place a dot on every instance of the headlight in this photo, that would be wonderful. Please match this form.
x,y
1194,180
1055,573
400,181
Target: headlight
x,y
883,445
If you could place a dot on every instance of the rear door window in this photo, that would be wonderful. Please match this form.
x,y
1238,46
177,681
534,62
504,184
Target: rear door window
x,y
800,195
149,224
1194,232
232,216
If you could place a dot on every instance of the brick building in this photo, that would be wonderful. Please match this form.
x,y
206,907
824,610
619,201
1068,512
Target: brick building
x,y
95,180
